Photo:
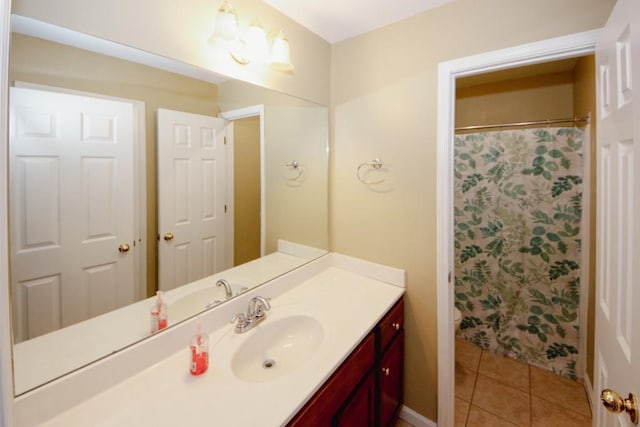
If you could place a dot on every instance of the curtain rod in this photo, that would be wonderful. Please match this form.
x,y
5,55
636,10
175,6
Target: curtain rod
x,y
518,124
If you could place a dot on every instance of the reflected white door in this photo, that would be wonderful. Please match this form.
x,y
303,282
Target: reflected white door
x,y
71,208
191,197
617,358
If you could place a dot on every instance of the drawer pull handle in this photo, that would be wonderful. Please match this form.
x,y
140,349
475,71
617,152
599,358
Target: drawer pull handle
x,y
386,371
396,325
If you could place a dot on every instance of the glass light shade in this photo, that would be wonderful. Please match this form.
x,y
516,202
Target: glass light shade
x,y
280,56
255,41
226,23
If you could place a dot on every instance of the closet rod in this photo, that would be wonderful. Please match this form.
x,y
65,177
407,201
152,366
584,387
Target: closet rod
x,y
535,122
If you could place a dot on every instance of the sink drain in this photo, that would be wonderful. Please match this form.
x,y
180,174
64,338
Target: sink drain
x,y
269,363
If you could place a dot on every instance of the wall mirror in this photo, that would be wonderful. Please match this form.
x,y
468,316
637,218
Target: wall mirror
x,y
66,86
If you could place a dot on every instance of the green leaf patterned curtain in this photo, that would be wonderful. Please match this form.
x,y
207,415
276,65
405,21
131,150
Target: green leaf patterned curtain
x,y
518,207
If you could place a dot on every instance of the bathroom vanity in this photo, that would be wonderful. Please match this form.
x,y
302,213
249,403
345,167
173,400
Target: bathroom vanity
x,y
330,350
367,388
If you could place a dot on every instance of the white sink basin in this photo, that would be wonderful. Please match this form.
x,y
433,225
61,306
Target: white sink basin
x,y
277,347
195,302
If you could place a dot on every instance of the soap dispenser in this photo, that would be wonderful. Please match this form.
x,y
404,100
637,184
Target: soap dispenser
x,y
159,314
199,351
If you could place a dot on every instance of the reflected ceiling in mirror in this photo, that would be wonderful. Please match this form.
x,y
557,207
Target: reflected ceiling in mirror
x,y
294,201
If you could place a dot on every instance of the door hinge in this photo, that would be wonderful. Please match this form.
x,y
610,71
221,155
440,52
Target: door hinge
x,y
225,208
225,140
449,277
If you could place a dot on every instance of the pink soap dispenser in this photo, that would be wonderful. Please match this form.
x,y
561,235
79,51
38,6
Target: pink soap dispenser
x,y
159,313
199,351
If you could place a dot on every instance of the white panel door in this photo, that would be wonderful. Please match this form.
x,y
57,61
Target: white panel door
x,y
617,358
191,197
71,207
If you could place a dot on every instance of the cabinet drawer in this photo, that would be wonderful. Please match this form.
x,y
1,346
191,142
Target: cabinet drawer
x,y
391,324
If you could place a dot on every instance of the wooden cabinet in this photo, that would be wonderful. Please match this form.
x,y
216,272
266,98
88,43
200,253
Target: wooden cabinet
x,y
366,390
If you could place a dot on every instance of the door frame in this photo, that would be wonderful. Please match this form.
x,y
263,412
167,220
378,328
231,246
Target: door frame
x,y
6,371
563,47
231,115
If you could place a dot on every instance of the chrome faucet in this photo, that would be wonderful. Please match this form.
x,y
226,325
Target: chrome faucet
x,y
256,313
227,288
258,307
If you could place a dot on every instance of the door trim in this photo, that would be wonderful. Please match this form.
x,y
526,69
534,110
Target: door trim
x,y
6,372
241,113
574,45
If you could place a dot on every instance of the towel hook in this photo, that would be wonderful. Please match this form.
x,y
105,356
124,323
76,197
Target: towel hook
x,y
375,164
295,165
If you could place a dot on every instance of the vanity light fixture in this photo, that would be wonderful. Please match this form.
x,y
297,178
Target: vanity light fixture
x,y
253,45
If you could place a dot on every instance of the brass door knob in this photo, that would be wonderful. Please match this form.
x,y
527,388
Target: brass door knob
x,y
168,236
124,247
396,326
616,404
386,371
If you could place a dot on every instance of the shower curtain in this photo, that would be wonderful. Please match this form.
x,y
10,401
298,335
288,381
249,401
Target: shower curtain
x,y
518,207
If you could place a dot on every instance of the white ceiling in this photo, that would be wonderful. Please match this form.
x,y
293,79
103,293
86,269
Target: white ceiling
x,y
336,20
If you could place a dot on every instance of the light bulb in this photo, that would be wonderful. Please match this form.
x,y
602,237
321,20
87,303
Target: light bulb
x,y
255,40
226,23
280,56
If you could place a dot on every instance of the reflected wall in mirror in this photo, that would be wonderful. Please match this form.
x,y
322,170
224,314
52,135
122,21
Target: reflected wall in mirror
x,y
286,205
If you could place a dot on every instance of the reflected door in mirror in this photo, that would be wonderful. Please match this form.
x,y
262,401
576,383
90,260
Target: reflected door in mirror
x,y
71,198
192,193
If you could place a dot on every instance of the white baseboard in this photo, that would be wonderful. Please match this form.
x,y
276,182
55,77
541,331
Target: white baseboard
x,y
414,418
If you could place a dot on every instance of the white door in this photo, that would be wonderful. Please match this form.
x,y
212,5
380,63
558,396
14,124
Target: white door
x,y
71,208
617,358
191,197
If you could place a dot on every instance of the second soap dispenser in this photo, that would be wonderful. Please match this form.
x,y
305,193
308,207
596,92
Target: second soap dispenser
x,y
199,351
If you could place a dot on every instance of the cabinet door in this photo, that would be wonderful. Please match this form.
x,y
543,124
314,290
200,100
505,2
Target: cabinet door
x,y
321,410
391,380
359,410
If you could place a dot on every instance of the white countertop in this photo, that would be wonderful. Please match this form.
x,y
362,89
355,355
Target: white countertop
x,y
349,305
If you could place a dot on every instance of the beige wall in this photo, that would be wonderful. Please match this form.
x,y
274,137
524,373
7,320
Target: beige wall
x,y
181,31
246,189
384,104
38,61
297,209
534,98
584,100
295,129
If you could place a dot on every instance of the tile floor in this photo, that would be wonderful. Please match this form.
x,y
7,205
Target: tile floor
x,y
497,391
